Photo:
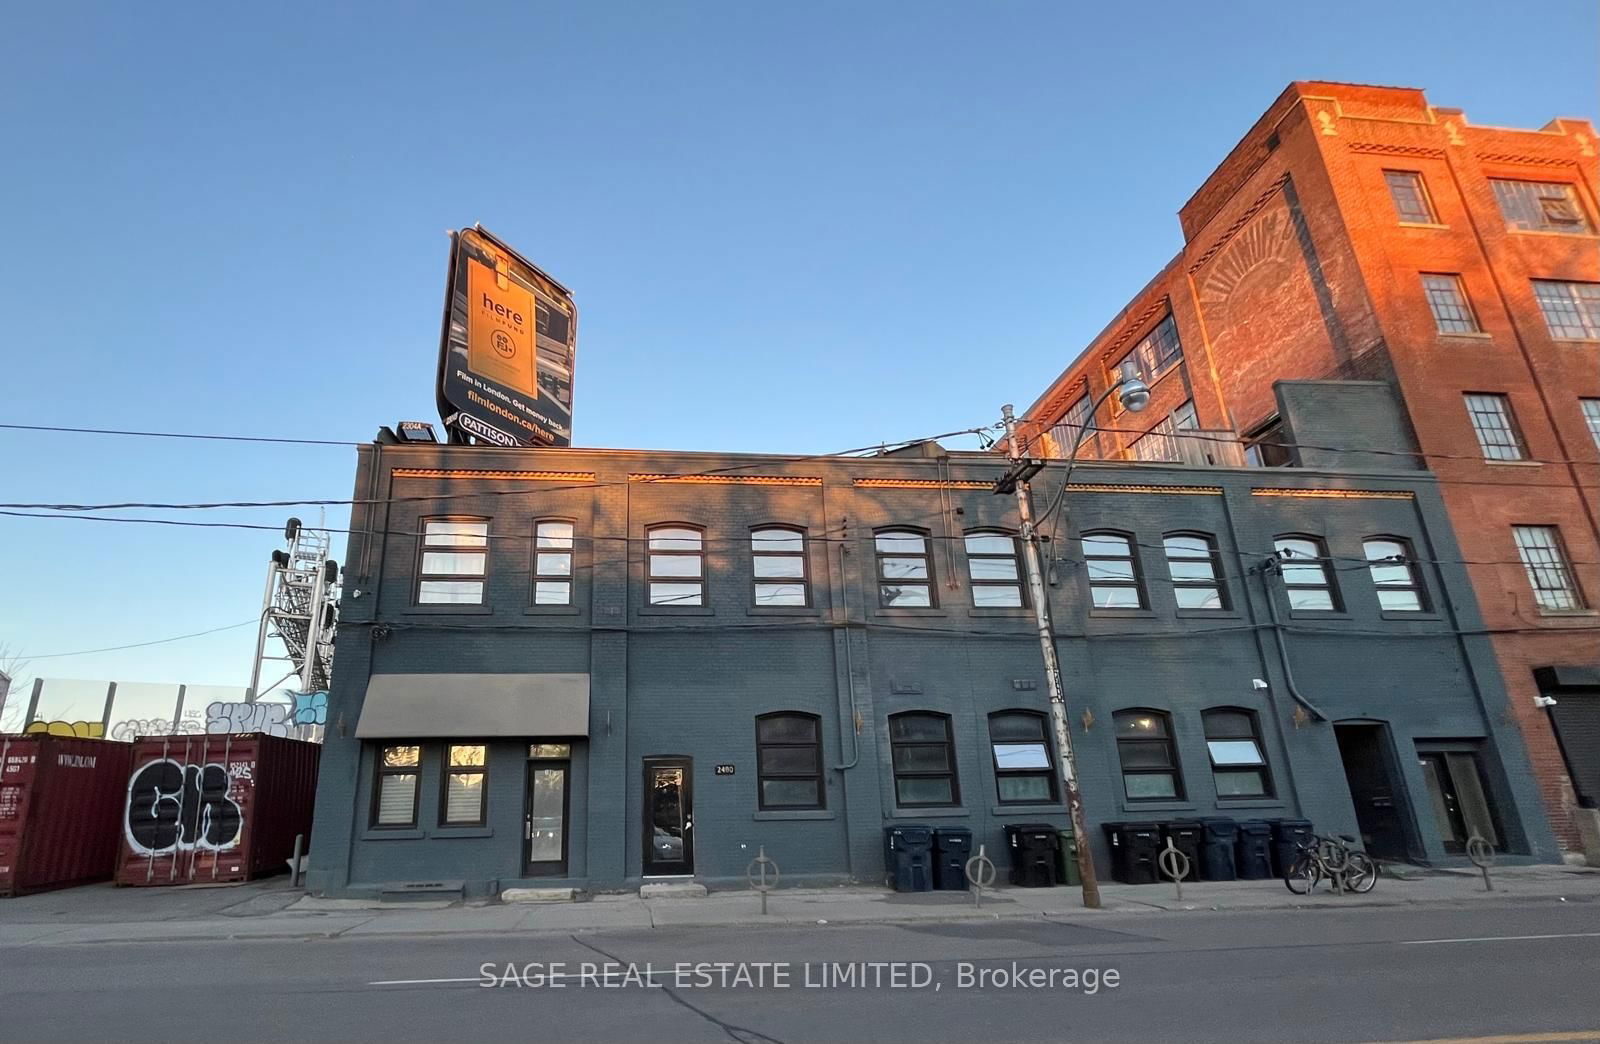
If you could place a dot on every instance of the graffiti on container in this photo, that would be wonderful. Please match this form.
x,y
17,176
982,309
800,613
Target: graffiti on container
x,y
173,806
271,718
133,728
74,729
310,708
241,769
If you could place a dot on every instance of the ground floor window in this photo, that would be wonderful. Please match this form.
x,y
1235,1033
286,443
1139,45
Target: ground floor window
x,y
394,792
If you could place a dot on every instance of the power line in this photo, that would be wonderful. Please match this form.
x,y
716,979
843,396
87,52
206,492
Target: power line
x,y
180,435
140,645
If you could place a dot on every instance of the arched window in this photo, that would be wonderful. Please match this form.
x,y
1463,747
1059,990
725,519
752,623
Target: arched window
x,y
778,566
789,760
1113,569
1023,770
1303,561
1196,571
1149,758
552,562
923,755
1394,574
905,569
992,565
453,560
677,574
1238,762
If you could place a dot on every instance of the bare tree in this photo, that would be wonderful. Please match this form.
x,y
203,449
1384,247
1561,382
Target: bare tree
x,y
15,705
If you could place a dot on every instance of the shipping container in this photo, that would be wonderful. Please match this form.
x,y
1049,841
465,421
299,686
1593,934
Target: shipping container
x,y
60,803
215,808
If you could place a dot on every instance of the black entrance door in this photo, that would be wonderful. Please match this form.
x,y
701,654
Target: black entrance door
x,y
544,829
1369,769
668,816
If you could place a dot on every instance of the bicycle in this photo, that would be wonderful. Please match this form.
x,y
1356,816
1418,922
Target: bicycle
x,y
1348,869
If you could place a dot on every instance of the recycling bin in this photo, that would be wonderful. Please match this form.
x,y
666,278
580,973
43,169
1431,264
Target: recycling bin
x,y
1133,851
1067,870
908,857
1219,850
1186,836
952,847
1255,850
1034,853
1287,837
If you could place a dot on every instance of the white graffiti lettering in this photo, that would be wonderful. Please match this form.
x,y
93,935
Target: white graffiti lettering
x,y
271,718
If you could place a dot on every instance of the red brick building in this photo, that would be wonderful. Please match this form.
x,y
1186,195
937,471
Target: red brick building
x,y
1359,232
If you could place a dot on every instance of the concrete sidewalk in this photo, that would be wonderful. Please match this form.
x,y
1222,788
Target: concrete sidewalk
x,y
270,910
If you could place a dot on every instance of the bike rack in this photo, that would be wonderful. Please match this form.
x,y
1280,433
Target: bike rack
x,y
980,873
1175,865
1481,853
756,874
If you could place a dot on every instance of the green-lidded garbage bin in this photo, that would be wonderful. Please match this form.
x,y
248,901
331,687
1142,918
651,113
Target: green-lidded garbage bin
x,y
1067,869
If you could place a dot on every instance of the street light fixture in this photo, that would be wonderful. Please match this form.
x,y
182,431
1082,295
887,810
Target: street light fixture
x,y
1135,396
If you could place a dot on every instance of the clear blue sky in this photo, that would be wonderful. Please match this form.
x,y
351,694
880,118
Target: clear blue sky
x,y
789,228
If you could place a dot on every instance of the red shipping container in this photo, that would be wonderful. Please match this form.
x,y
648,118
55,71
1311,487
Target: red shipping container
x,y
60,802
215,808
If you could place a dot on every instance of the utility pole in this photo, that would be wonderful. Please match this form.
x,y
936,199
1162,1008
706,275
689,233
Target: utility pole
x,y
1016,481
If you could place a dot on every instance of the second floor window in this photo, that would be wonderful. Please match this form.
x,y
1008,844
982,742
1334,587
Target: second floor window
x,y
466,798
1394,574
905,576
992,561
454,559
1540,206
677,575
778,566
1549,571
1410,197
1571,310
552,563
1196,571
1303,562
1113,571
789,761
1448,302
923,757
1495,426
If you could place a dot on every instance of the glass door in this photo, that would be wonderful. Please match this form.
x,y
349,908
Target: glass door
x,y
668,817
544,829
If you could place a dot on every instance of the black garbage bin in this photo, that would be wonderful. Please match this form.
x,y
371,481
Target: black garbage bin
x,y
1287,837
908,857
1255,850
1186,836
952,847
1218,851
1035,850
1133,851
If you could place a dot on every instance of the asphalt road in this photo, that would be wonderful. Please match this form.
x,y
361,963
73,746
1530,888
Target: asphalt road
x,y
1353,975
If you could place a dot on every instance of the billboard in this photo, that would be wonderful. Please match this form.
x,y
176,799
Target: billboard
x,y
506,349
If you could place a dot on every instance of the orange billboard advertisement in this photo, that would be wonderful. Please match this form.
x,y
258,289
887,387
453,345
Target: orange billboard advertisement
x,y
500,329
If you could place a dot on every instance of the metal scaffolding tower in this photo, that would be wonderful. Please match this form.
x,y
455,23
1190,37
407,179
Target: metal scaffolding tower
x,y
299,609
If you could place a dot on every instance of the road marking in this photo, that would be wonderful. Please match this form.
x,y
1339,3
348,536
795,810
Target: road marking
x,y
419,982
1506,938
1513,1038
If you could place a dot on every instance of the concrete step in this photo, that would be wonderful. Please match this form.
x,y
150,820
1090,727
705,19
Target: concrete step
x,y
672,890
537,895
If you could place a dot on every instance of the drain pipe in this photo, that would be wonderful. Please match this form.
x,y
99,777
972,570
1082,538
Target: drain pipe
x,y
849,668
1270,568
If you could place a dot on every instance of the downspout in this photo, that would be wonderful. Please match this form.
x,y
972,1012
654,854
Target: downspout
x,y
849,655
1271,567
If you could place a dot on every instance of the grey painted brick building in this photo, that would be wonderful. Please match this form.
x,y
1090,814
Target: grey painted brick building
x,y
591,667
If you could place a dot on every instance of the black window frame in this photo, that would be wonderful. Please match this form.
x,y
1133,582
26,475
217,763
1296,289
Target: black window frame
x,y
447,771
1322,560
1218,581
540,550
951,769
651,578
926,554
1209,718
815,776
1167,740
1136,583
424,548
1417,185
757,554
1049,772
1015,558
380,771
1408,562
